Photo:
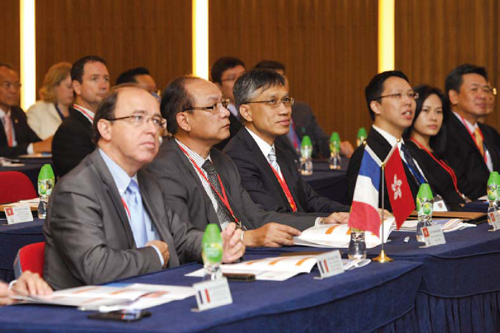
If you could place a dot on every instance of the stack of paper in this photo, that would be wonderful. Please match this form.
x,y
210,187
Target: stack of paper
x,y
446,225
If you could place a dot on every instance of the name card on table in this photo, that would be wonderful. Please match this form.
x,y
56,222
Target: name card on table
x,y
330,264
212,294
494,218
18,214
433,235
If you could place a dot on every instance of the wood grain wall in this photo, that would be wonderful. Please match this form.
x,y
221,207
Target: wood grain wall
x,y
329,49
127,33
435,36
10,33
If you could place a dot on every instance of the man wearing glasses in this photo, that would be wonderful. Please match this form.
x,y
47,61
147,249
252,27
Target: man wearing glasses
x,y
107,218
268,173
391,104
470,146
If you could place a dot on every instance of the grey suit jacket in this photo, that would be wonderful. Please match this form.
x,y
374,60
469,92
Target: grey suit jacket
x,y
88,235
187,197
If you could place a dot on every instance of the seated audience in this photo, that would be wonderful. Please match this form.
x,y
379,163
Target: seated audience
x,y
470,146
73,139
107,219
45,116
202,184
268,173
426,141
142,78
16,137
303,123
27,284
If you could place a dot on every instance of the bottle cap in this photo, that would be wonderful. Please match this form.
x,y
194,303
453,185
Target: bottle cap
x,y
212,244
335,137
46,172
425,192
361,132
306,141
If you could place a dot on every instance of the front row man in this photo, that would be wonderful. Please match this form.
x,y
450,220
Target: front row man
x,y
107,218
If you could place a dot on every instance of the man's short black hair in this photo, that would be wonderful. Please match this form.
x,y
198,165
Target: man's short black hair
x,y
175,99
271,64
454,79
129,75
77,68
251,81
376,86
223,64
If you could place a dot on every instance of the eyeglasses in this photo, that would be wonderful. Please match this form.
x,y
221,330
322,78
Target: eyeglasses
x,y
139,120
8,85
400,96
287,101
213,108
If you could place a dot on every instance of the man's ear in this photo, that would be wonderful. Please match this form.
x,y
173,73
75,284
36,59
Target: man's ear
x,y
183,121
376,107
246,112
453,96
104,128
77,87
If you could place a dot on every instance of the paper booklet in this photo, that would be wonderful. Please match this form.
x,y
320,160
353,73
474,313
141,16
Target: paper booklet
x,y
110,298
339,235
446,225
278,268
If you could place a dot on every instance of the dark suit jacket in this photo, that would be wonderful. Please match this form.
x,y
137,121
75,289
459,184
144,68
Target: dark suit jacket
x,y
234,127
464,157
185,194
88,235
306,124
72,142
259,180
24,134
381,148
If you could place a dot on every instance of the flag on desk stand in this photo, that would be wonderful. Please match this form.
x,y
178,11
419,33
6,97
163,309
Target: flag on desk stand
x,y
399,192
364,209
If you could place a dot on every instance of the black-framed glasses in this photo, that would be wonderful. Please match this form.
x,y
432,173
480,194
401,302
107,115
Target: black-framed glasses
x,y
212,108
287,101
401,95
139,120
8,85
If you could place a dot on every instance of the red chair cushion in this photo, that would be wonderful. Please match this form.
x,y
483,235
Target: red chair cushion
x,y
15,186
32,257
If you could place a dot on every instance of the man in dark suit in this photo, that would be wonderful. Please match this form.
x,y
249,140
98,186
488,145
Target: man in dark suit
x,y
224,72
73,139
267,172
107,218
16,137
202,184
303,123
391,103
470,146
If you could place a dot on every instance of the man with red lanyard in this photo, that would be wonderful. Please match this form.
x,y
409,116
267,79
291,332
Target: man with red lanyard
x,y
200,182
470,149
268,173
73,139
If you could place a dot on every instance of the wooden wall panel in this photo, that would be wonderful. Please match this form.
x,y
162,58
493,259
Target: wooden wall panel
x,y
435,36
9,37
151,33
329,49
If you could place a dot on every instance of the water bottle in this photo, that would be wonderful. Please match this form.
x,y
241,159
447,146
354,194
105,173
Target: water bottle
x,y
211,252
493,191
306,165
361,136
425,200
335,151
46,180
357,245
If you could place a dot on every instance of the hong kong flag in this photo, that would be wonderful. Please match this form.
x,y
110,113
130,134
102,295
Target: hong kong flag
x,y
397,187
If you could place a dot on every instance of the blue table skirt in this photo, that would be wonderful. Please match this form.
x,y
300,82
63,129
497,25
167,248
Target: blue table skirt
x,y
365,299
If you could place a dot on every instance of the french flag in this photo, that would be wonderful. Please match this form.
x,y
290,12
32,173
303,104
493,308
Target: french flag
x,y
364,209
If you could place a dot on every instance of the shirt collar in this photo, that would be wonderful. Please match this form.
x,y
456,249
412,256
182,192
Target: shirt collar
x,y
88,113
467,123
194,155
387,136
121,178
263,145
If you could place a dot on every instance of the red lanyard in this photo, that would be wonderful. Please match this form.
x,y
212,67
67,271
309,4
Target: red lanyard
x,y
222,197
445,166
84,112
285,189
464,122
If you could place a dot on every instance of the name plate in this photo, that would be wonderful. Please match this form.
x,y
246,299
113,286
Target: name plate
x,y
212,294
433,235
330,264
494,218
18,214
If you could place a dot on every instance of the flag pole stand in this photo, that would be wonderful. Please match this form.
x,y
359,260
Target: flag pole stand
x,y
382,257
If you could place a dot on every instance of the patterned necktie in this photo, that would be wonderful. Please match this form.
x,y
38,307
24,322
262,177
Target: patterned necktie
x,y
8,130
419,178
136,216
479,140
273,161
222,214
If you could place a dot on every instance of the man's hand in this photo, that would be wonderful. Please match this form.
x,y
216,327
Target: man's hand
x,y
44,146
337,218
163,247
233,247
28,284
346,149
387,214
271,234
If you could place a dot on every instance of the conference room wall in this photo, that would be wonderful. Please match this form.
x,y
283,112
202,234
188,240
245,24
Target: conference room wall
x,y
329,49
9,37
433,36
151,33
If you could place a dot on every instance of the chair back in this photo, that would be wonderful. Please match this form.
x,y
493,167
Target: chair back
x,y
15,186
30,258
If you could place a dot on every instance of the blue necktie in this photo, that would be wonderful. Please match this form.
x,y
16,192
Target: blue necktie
x,y
136,217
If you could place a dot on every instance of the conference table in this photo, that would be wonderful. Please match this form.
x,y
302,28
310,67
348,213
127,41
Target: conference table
x,y
329,183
